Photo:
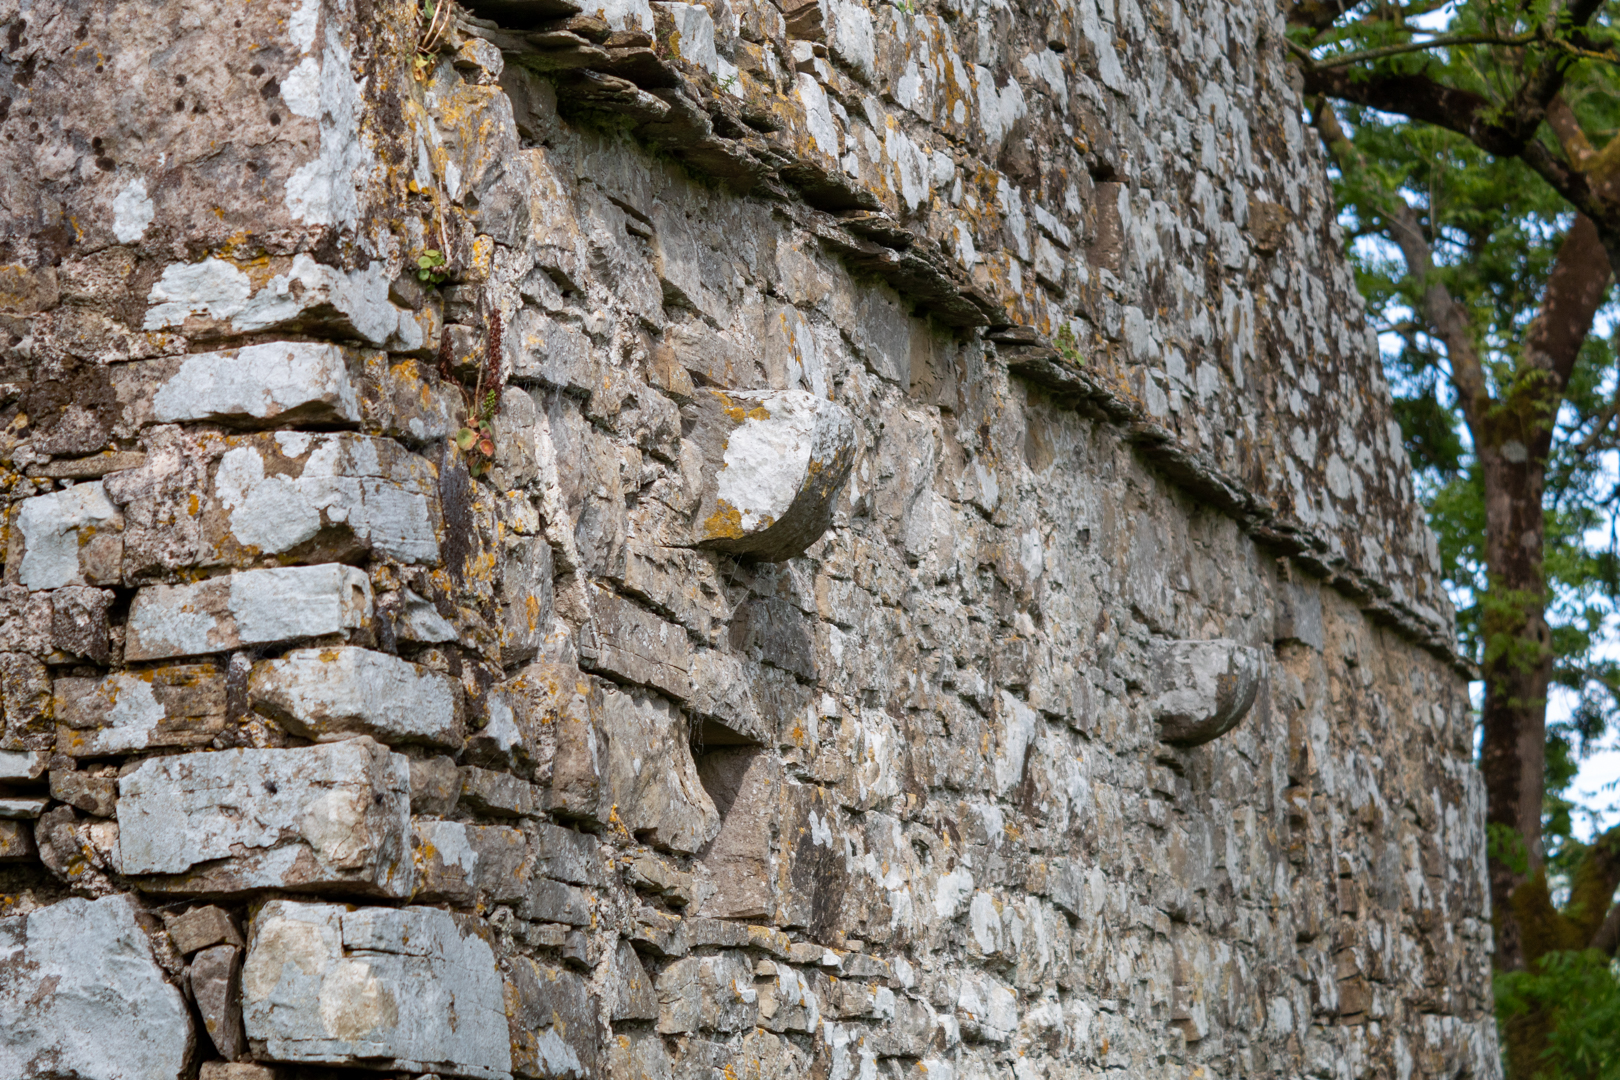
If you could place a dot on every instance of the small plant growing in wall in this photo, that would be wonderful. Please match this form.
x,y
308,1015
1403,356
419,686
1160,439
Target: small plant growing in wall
x,y
1066,346
476,439
431,267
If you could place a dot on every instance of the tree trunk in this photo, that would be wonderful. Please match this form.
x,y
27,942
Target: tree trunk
x,y
1517,669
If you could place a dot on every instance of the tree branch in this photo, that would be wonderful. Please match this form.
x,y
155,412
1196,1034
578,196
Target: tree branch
x,y
1451,323
1576,288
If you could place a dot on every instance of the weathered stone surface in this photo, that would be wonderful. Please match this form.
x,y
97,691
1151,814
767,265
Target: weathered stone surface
x,y
707,993
16,841
566,855
246,608
69,537
25,695
499,794
284,383
744,785
326,694
174,705
554,1031
323,816
216,986
275,498
774,463
631,643
401,988
95,795
22,766
651,778
201,927
458,863
635,997
84,997
1204,688
435,786
79,624
542,723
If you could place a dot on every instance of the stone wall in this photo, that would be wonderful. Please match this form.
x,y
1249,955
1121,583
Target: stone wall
x,y
687,541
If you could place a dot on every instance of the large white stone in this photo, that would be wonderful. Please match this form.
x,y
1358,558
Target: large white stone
x,y
246,608
1203,688
54,528
81,996
326,694
774,461
307,818
398,988
281,380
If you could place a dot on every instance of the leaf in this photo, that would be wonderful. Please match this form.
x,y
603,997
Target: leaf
x,y
487,448
465,438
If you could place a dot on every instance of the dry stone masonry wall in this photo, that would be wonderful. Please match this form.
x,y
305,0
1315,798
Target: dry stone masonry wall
x,y
688,541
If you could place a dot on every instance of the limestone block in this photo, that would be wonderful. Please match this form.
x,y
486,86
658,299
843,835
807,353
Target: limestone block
x,y
707,993
551,353
638,1056
652,779
22,807
986,1009
635,998
1203,689
83,996
526,598
401,988
25,694
281,382
95,795
499,794
22,766
774,462
402,402
67,537
326,694
631,643
787,999
321,816
458,863
277,498
720,689
250,607
216,983
544,722
199,928
79,623
553,1023
16,841
566,855
26,620
435,786
153,708
743,782
555,902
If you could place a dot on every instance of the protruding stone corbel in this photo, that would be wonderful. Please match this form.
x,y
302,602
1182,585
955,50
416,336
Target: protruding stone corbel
x,y
773,461
1203,689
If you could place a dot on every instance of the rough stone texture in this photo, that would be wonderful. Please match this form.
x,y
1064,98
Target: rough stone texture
x,y
247,608
83,996
411,988
216,987
328,694
1101,719
773,465
326,816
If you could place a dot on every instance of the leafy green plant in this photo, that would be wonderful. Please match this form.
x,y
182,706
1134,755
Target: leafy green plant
x,y
1576,994
430,267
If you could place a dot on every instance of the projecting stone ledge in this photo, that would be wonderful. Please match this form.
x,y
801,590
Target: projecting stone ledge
x,y
82,996
773,464
397,988
1203,688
